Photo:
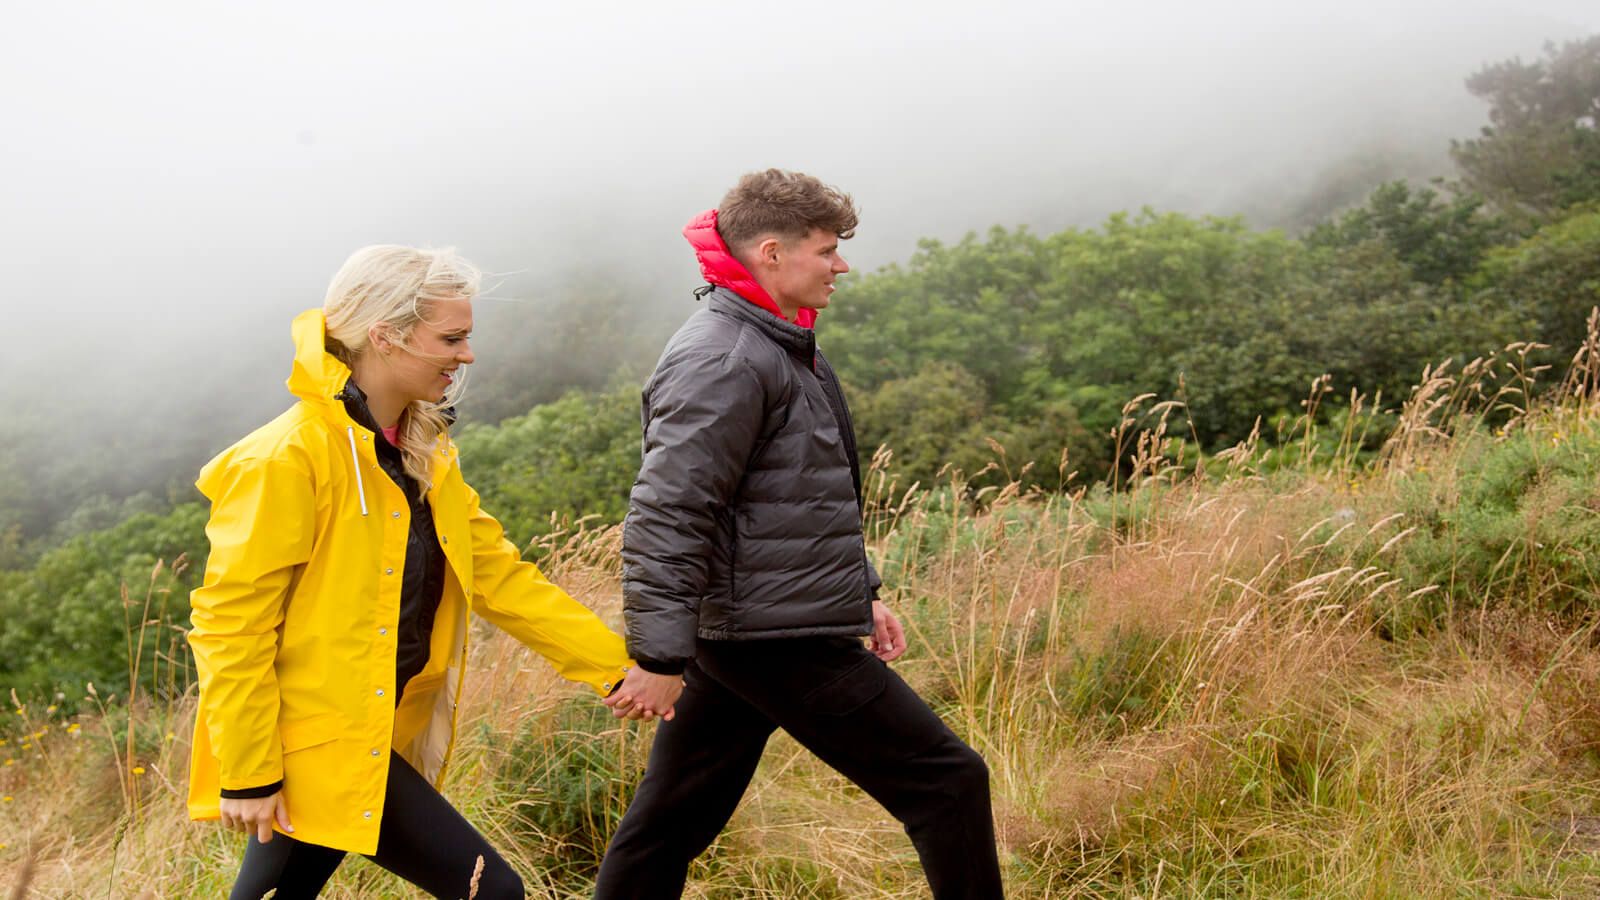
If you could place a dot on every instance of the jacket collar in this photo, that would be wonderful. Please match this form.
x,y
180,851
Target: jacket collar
x,y
719,267
317,376
801,343
355,403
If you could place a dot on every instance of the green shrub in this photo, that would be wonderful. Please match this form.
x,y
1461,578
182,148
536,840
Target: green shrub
x,y
1507,519
64,621
576,784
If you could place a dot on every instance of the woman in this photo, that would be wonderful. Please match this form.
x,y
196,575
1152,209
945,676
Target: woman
x,y
331,627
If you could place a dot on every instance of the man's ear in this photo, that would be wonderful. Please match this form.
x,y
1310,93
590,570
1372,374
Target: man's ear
x,y
768,251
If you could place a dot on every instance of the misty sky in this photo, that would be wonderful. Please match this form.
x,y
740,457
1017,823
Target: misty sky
x,y
179,178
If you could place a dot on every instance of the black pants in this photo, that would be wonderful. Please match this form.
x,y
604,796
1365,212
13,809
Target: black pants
x,y
841,703
421,838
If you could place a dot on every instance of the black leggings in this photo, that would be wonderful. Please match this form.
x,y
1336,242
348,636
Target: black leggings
x,y
422,839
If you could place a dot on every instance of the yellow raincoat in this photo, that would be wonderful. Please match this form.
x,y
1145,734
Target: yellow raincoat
x,y
295,623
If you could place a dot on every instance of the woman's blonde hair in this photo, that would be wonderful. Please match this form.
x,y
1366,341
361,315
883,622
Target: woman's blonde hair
x,y
388,284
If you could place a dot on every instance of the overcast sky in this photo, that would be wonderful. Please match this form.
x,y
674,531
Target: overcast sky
x,y
179,178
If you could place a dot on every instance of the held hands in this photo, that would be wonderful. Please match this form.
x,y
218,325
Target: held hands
x,y
645,695
256,814
888,638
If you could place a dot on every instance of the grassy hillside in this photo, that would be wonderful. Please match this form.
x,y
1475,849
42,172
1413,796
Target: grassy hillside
x,y
1262,674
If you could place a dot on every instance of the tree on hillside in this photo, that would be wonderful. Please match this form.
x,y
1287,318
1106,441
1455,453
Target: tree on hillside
x,y
1438,240
1551,280
1540,153
574,458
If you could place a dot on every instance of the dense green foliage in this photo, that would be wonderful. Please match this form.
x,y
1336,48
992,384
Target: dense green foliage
x,y
1037,342
1438,240
1550,280
562,461
66,620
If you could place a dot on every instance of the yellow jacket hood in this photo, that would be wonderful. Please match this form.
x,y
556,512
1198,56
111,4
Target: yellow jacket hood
x,y
316,375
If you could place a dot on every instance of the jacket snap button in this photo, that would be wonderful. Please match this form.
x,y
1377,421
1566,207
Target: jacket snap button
x,y
380,692
374,753
383,631
395,514
606,685
366,814
388,571
444,540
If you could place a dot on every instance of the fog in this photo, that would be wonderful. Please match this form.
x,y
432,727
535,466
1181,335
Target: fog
x,y
180,178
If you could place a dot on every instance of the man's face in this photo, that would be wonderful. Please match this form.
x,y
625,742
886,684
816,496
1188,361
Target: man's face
x,y
805,269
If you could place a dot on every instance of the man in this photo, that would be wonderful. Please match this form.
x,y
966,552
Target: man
x,y
746,583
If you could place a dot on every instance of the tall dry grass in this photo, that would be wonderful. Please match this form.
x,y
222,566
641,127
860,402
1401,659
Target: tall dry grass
x,y
1237,676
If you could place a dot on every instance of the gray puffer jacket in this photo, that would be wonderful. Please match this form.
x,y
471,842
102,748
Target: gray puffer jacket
x,y
745,520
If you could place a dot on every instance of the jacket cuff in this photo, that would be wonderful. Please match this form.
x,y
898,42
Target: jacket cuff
x,y
607,688
266,790
657,667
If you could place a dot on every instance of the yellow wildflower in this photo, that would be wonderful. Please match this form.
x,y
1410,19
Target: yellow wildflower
x,y
170,735
11,762
49,709
73,728
6,799
27,746
138,770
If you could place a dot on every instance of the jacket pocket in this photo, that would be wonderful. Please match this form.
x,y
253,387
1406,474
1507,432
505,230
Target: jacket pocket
x,y
735,576
298,734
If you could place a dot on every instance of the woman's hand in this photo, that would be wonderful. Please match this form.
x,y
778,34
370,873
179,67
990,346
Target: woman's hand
x,y
256,814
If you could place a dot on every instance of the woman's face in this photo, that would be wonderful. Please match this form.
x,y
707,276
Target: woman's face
x,y
425,366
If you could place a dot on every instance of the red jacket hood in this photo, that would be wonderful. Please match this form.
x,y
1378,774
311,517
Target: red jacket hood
x,y
718,267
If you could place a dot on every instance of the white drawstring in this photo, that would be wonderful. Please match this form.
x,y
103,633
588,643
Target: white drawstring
x,y
361,488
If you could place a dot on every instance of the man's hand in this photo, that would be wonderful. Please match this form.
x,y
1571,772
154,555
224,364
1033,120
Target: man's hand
x,y
645,695
888,639
256,814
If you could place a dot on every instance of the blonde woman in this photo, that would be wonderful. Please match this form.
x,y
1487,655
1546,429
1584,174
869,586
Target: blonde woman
x,y
330,631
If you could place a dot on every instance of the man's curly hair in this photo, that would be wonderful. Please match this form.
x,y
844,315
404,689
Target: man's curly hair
x,y
786,204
